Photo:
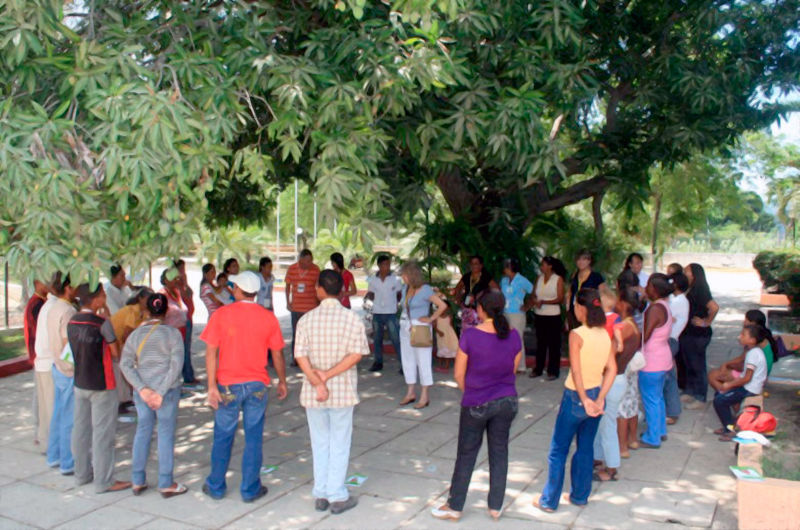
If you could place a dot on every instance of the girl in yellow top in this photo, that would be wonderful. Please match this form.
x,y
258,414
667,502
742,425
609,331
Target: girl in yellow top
x,y
592,371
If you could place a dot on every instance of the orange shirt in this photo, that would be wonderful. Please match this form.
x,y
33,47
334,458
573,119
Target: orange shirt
x,y
303,283
244,332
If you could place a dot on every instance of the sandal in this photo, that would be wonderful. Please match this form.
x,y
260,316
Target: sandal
x,y
446,513
720,431
624,454
672,421
610,477
172,491
727,437
633,445
138,490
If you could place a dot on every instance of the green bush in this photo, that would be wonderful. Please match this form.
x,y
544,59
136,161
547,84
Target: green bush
x,y
781,270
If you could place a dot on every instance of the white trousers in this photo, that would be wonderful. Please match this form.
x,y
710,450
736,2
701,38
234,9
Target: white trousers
x,y
415,359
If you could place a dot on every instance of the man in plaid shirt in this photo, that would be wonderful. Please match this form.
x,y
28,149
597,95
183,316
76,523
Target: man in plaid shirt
x,y
330,341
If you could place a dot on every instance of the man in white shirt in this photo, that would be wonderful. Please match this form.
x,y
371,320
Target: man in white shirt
x,y
118,289
384,290
51,337
679,307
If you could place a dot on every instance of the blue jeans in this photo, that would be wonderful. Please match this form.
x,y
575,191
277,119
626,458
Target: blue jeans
x,y
188,371
167,416
651,388
606,443
571,422
672,396
724,401
331,431
251,399
59,450
393,326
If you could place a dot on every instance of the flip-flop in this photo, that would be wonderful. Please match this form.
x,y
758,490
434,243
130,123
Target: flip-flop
x,y
177,489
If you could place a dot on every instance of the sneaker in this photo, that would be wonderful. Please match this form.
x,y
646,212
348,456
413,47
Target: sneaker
x,y
261,492
446,513
376,367
686,398
343,506
321,505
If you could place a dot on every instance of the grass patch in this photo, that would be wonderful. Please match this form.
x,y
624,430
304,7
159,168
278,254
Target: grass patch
x,y
781,465
12,344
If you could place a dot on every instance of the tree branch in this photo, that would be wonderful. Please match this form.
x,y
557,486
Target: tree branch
x,y
575,193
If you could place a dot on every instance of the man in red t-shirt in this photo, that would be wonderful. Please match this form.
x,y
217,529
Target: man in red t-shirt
x,y
32,308
239,339
301,289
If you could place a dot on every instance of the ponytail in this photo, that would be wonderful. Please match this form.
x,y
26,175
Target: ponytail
x,y
590,299
494,304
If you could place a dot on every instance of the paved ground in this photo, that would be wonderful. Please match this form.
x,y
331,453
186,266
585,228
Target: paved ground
x,y
407,456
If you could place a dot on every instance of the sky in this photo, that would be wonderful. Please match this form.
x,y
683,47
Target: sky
x,y
790,128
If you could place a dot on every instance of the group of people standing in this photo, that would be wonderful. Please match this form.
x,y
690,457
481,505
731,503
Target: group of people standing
x,y
629,349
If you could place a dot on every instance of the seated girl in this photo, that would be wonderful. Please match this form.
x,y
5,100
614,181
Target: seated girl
x,y
732,369
750,381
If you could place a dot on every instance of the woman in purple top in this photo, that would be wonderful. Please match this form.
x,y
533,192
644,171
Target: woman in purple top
x,y
486,363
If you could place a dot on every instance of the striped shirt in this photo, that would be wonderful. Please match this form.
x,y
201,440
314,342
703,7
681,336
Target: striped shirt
x,y
160,362
326,335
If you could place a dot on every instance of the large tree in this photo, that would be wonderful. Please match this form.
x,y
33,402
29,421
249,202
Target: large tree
x,y
124,121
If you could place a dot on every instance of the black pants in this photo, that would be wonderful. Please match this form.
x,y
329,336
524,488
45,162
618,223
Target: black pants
x,y
548,344
495,418
693,354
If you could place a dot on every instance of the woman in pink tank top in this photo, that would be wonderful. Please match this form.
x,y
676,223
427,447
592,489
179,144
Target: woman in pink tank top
x,y
658,360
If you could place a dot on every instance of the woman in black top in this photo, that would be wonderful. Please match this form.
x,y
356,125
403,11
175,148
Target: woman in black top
x,y
472,285
584,278
696,336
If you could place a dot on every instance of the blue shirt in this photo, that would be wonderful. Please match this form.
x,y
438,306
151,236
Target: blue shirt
x,y
515,292
419,306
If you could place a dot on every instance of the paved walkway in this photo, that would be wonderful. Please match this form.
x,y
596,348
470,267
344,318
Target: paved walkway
x,y
407,456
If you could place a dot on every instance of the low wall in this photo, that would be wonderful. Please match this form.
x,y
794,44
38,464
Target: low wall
x,y
733,260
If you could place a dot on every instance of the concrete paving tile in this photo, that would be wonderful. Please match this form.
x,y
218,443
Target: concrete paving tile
x,y
22,464
707,466
522,507
640,465
661,505
108,517
160,523
375,422
24,502
405,488
287,512
422,440
406,464
10,524
6,480
52,479
371,512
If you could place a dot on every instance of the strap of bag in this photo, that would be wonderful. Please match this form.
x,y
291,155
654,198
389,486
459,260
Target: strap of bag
x,y
141,344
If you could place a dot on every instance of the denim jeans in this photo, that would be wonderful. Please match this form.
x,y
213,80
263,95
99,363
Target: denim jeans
x,y
495,419
59,450
606,443
393,326
167,417
672,396
571,422
251,399
651,388
693,353
331,431
188,371
724,401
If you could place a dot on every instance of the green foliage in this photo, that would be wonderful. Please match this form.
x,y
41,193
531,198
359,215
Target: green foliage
x,y
781,270
349,240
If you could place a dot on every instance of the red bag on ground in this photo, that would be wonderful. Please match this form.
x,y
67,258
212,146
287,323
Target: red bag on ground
x,y
752,418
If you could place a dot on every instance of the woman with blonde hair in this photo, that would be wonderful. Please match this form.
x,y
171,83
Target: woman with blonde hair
x,y
416,334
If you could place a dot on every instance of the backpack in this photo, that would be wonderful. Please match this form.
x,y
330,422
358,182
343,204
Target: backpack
x,y
752,418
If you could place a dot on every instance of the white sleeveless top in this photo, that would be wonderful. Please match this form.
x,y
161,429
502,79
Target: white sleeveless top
x,y
547,291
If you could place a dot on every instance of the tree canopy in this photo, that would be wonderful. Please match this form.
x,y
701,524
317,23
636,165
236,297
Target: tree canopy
x,y
125,123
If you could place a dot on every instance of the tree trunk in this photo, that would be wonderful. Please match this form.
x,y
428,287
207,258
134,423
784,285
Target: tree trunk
x,y
597,214
654,239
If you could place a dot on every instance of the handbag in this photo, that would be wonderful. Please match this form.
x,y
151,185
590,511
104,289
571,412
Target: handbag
x,y
421,334
637,362
752,418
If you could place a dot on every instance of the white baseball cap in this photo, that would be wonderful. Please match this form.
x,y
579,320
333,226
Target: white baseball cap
x,y
247,281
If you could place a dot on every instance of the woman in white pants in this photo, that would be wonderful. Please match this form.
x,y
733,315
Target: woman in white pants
x,y
417,299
